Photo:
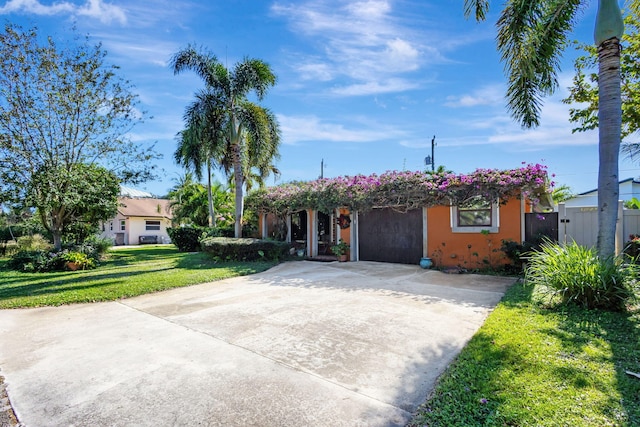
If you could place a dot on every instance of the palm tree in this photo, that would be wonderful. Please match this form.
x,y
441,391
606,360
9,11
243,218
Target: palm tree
x,y
531,37
201,143
250,131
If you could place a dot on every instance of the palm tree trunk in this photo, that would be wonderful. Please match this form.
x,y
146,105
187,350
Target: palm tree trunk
x,y
212,217
610,122
237,173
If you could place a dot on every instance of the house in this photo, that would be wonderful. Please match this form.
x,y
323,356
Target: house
x,y
629,188
139,220
456,220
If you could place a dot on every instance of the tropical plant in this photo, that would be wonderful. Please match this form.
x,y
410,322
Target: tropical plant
x,y
200,144
584,91
61,109
340,249
577,275
189,202
531,37
242,135
561,193
634,203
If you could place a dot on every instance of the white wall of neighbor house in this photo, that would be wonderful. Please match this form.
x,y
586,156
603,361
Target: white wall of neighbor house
x,y
134,227
147,227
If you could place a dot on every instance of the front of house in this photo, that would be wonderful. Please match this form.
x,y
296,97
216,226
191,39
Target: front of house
x,y
457,221
139,220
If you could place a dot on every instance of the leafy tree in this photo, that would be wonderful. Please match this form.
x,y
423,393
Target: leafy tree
x,y
246,134
62,109
585,84
74,198
531,37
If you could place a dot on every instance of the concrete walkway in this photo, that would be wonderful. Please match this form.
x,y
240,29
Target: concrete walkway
x,y
303,344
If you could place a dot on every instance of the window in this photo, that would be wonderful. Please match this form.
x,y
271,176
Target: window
x,y
110,225
152,225
123,225
476,216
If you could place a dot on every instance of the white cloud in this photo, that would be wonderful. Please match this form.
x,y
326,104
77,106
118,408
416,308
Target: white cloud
x,y
361,41
104,12
375,87
487,95
310,128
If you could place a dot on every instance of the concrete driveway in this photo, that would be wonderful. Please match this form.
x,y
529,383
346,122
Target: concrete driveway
x,y
303,344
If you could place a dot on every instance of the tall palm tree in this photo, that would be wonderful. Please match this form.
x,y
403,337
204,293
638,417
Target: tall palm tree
x,y
201,143
250,131
531,37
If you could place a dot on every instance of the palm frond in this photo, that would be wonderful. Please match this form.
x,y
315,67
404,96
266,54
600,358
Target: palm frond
x,y
531,37
477,8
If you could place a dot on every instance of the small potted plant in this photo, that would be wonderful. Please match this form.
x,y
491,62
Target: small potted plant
x,y
340,250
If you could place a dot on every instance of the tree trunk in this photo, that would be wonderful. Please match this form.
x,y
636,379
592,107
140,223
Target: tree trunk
x,y
237,173
212,217
610,124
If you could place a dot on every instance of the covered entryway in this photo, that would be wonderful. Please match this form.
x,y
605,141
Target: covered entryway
x,y
386,235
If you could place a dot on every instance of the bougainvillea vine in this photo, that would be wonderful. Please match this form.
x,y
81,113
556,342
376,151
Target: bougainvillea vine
x,y
402,190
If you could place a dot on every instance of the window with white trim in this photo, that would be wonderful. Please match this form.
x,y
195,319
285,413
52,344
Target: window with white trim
x,y
475,217
152,225
123,225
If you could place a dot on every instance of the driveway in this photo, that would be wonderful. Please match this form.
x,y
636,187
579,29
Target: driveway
x,y
303,344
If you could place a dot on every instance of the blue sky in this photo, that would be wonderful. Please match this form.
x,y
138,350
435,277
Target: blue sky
x,y
364,85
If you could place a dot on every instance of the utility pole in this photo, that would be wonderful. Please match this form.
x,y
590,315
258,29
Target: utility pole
x,y
322,169
431,160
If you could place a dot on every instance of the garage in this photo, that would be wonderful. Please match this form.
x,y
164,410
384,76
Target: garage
x,y
386,235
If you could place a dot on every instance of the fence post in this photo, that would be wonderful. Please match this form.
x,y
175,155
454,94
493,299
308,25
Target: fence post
x,y
620,229
562,222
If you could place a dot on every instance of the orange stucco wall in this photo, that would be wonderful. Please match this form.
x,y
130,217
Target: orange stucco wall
x,y
471,250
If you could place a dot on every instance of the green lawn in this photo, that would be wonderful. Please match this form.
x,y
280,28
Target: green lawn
x,y
535,366
127,272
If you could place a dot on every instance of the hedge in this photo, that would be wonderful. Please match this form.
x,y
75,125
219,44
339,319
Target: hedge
x,y
245,249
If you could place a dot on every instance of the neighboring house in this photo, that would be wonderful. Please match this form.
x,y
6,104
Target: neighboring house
x,y
139,220
629,188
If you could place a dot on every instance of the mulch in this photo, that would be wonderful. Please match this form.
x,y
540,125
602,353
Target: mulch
x,y
7,416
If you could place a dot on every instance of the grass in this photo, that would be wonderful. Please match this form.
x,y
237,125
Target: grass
x,y
126,273
532,365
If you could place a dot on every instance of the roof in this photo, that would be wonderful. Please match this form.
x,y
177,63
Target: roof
x,y
144,207
132,192
595,190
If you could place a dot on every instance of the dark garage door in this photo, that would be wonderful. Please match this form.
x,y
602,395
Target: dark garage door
x,y
389,236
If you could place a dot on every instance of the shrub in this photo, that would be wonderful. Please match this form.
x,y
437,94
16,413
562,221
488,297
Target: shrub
x,y
94,246
31,261
8,248
40,261
75,260
632,247
577,275
35,242
245,249
186,239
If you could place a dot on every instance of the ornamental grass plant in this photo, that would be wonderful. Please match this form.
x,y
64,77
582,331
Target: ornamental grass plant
x,y
577,275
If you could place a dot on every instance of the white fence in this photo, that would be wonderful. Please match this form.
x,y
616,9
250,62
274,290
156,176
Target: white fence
x,y
580,224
